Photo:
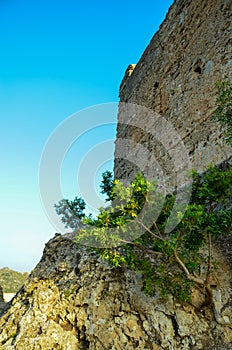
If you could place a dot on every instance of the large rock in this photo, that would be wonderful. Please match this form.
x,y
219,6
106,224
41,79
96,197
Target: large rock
x,y
1,295
2,301
74,300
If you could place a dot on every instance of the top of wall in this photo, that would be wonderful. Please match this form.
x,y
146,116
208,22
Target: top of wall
x,y
192,30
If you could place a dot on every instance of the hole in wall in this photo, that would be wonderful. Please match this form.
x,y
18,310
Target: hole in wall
x,y
197,69
191,152
197,66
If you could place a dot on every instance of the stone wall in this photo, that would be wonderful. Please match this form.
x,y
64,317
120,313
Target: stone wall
x,y
176,78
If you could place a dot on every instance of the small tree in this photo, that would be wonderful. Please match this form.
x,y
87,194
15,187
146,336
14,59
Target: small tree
x,y
169,262
124,234
71,211
107,184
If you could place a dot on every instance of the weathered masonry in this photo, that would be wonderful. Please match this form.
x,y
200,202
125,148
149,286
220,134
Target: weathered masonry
x,y
176,78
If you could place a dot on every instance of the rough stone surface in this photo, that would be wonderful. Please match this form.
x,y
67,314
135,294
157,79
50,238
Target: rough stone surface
x,y
2,301
74,301
176,78
1,295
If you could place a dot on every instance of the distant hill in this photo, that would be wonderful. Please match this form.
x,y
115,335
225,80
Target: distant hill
x,y
11,280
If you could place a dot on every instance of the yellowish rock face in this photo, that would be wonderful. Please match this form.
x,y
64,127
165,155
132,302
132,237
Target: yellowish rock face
x,y
74,300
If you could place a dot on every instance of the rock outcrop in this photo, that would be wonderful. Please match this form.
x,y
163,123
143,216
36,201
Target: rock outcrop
x,y
74,301
2,301
1,295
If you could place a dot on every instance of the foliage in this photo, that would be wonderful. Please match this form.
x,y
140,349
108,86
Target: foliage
x,y
131,230
169,263
69,292
125,237
11,280
71,211
223,112
107,184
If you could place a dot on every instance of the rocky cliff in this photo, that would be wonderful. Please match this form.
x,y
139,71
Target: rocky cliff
x,y
1,295
2,301
73,300
175,78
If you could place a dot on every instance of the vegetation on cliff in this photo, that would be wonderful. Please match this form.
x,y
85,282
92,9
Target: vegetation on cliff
x,y
11,280
173,262
131,230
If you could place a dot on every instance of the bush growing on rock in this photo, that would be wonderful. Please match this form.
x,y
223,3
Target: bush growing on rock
x,y
131,230
170,262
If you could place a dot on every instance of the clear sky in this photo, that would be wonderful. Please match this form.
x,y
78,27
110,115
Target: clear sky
x,y
57,58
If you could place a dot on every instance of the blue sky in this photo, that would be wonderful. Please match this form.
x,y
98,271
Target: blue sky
x,y
57,58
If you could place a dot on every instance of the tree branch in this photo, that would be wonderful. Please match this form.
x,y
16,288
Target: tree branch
x,y
148,251
152,233
190,277
210,253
